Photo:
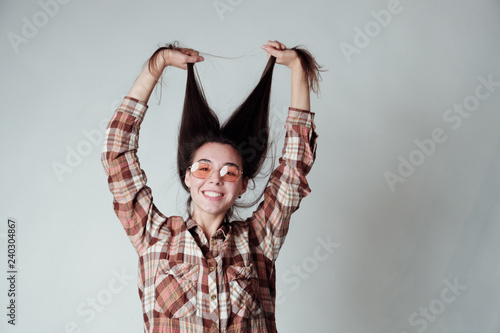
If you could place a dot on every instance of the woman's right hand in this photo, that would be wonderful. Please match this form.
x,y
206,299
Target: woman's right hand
x,y
172,56
180,57
168,55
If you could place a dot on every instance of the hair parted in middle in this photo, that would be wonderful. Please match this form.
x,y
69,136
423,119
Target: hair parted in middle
x,y
246,130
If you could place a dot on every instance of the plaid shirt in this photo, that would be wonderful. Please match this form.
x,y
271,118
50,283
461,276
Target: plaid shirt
x,y
186,282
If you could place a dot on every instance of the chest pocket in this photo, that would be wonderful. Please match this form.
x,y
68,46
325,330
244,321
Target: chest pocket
x,y
175,289
244,290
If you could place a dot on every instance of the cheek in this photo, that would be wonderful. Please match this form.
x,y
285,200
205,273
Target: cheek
x,y
235,189
196,182
192,182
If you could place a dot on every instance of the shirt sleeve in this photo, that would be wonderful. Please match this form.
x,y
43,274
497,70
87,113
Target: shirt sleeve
x,y
288,184
132,199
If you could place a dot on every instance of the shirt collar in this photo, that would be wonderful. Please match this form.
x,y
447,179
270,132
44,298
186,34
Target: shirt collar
x,y
190,223
223,231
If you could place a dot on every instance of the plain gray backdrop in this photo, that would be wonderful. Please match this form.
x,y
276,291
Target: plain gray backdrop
x,y
400,233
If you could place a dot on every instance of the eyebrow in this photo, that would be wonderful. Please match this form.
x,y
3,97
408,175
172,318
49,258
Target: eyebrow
x,y
208,161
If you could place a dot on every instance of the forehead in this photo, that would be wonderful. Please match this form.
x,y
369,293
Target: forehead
x,y
218,153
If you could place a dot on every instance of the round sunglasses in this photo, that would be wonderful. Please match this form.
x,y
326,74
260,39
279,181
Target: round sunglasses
x,y
229,173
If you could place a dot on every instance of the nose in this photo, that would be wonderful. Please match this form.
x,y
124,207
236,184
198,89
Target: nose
x,y
215,177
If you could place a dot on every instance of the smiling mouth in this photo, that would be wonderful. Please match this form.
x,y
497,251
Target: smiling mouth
x,y
212,194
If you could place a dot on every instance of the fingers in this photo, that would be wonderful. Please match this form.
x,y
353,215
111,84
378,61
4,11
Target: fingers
x,y
193,55
276,45
194,59
274,48
271,50
190,55
190,52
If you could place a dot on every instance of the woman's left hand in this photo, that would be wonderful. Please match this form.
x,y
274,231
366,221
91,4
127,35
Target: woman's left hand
x,y
283,55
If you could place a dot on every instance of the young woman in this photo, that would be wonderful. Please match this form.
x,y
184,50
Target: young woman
x,y
207,273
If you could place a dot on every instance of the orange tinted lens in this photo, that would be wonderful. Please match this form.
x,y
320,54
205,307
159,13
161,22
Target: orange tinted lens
x,y
201,170
230,173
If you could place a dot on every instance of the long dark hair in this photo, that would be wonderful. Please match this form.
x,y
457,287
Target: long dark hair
x,y
247,129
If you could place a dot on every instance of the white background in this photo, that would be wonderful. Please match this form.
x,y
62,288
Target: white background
x,y
396,249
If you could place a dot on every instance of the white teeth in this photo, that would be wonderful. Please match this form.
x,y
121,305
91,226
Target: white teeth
x,y
212,194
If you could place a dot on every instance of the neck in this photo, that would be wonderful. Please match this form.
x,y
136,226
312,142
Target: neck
x,y
209,223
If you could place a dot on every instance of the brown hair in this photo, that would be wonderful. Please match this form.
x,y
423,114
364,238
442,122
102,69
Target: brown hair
x,y
247,129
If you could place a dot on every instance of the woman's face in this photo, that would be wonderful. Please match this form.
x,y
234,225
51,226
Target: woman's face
x,y
214,195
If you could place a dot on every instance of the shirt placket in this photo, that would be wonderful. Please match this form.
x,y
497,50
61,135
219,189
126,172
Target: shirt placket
x,y
215,263
213,293
210,264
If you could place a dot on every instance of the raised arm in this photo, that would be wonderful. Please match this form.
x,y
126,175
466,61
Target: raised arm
x,y
300,88
132,198
305,72
288,184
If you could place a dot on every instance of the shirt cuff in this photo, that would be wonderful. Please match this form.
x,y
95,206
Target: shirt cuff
x,y
133,107
300,117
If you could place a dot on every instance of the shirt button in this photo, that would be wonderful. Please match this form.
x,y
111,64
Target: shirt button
x,y
214,297
212,268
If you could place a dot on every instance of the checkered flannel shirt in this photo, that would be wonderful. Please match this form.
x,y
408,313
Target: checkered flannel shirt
x,y
186,282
